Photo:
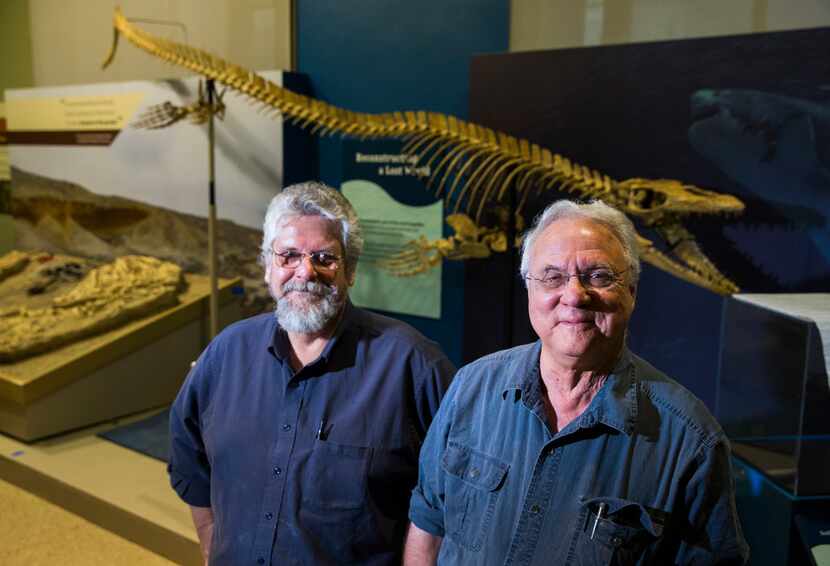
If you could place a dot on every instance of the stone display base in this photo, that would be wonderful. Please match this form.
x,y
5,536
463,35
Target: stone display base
x,y
136,367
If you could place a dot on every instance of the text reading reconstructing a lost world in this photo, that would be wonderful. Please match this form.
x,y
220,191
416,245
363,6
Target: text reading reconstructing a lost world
x,y
394,164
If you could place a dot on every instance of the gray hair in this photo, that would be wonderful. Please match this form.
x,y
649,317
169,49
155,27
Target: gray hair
x,y
314,199
597,211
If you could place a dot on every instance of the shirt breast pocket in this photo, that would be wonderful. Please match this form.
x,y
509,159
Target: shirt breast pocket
x,y
474,482
336,477
334,511
614,531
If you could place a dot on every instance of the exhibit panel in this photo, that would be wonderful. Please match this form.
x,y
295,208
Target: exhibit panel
x,y
147,140
395,209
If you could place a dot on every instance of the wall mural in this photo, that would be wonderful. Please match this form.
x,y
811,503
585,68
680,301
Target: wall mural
x,y
776,148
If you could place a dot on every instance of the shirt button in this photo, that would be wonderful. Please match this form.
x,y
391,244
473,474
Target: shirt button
x,y
269,516
260,560
534,509
473,473
616,541
278,471
286,427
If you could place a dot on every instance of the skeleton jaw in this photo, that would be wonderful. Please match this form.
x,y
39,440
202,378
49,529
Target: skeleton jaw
x,y
661,204
685,259
651,200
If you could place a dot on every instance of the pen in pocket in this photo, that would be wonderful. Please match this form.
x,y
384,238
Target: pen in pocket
x,y
600,513
321,430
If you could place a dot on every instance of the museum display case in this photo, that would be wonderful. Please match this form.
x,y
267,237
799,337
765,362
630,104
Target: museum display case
x,y
773,393
772,400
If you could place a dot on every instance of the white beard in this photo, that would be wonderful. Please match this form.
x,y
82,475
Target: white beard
x,y
322,305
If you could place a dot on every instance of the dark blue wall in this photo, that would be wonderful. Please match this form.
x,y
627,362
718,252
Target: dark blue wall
x,y
388,55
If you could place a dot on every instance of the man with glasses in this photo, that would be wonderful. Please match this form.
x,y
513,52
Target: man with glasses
x,y
573,450
295,438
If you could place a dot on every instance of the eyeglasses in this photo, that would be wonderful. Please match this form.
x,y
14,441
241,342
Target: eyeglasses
x,y
320,260
592,279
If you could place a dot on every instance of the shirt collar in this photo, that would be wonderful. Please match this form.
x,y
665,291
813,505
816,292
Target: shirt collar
x,y
615,404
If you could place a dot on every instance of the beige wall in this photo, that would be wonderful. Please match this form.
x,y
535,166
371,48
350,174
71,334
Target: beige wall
x,y
70,38
64,41
548,24
15,45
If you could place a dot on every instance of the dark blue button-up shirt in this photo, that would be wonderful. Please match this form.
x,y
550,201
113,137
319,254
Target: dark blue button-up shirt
x,y
641,477
313,467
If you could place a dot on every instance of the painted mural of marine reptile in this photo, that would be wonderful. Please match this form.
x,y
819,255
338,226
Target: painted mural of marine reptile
x,y
776,147
475,167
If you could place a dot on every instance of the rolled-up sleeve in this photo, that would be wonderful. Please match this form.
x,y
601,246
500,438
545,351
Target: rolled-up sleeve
x,y
189,467
713,533
434,378
426,506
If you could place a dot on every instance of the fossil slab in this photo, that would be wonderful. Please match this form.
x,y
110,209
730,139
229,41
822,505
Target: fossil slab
x,y
106,297
12,263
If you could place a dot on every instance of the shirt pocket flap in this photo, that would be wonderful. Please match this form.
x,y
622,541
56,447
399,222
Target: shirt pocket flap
x,y
627,513
473,467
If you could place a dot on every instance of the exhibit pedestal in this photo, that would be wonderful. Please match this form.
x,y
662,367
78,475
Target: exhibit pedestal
x,y
773,395
133,368
780,528
773,389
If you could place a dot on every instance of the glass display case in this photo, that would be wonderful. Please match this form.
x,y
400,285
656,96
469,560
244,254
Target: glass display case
x,y
773,391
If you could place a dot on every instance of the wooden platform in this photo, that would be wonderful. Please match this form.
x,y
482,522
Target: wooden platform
x,y
116,488
133,368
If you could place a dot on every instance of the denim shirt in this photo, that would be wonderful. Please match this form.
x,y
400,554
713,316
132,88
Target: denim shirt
x,y
312,467
642,476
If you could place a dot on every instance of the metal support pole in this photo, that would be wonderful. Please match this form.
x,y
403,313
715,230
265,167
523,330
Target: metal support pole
x,y
212,248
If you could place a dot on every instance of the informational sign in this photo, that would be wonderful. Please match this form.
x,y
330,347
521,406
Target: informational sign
x,y
389,228
87,135
72,120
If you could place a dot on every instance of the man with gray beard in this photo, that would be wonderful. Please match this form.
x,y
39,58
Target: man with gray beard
x,y
295,438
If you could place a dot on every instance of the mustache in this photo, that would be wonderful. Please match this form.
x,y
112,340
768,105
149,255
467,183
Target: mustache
x,y
313,287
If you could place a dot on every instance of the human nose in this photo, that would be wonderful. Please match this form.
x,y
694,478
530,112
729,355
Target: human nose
x,y
574,291
305,269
